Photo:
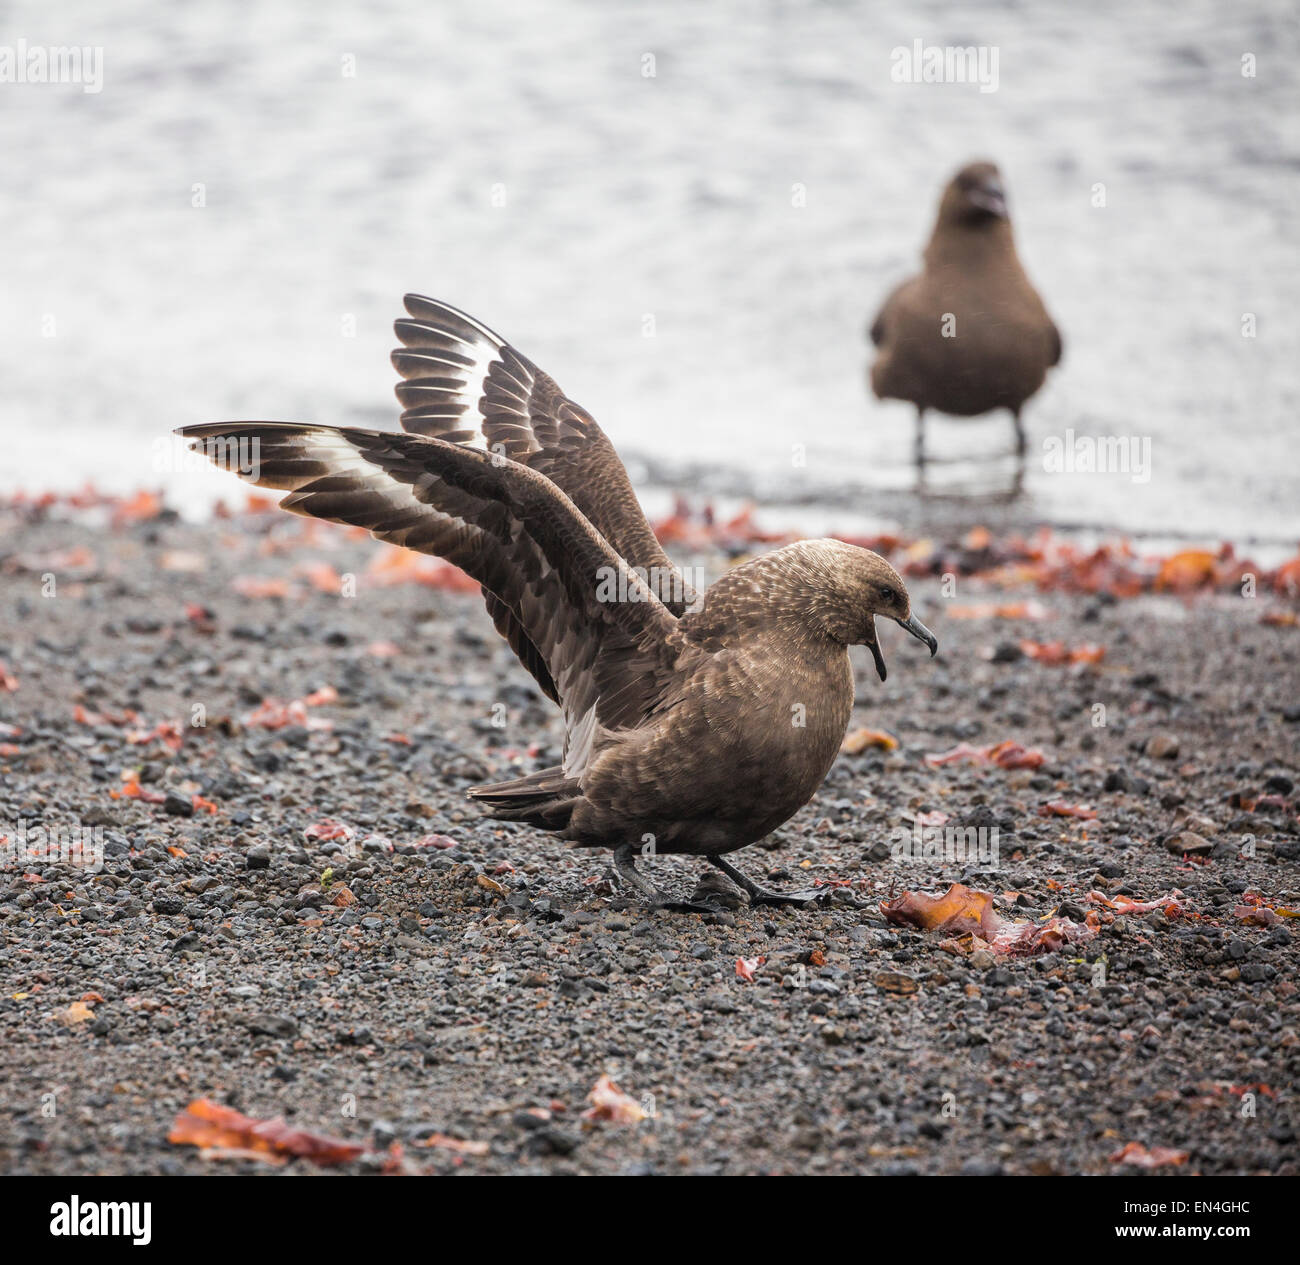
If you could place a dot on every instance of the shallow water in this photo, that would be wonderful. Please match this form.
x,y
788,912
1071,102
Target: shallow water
x,y
664,203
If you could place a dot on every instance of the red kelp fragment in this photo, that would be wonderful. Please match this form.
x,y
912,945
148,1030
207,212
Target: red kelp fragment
x,y
434,841
169,732
395,565
1007,754
260,586
321,576
1059,808
998,610
461,1146
201,619
962,753
964,911
959,910
1137,1154
1022,939
608,1102
1255,911
1286,579
699,529
1188,570
860,740
1058,654
745,968
1011,755
1127,906
271,713
8,681
84,717
211,1127
141,507
131,789
327,828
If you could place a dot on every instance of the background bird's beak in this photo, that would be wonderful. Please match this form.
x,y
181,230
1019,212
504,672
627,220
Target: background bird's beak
x,y
921,633
990,197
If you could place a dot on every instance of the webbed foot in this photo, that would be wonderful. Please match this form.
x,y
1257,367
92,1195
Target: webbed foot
x,y
765,896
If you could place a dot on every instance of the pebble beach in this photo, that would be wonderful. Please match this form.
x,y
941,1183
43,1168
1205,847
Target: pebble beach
x,y
263,730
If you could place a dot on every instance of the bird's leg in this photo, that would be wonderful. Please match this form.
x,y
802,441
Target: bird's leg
x,y
764,896
920,438
625,864
1020,434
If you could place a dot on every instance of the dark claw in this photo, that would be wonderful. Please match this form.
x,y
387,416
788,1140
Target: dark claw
x,y
809,897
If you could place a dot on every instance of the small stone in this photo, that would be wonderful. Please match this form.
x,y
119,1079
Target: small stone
x,y
258,858
1189,844
271,1025
1162,747
178,805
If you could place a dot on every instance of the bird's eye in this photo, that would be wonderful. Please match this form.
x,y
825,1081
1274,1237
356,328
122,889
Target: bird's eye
x,y
889,596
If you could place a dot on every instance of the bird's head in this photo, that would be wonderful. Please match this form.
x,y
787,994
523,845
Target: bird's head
x,y
885,594
850,587
975,197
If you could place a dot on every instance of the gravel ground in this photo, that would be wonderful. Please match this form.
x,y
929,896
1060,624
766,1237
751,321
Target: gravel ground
x,y
454,976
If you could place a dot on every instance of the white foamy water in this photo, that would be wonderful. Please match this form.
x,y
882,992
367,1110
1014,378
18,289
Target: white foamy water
x,y
751,203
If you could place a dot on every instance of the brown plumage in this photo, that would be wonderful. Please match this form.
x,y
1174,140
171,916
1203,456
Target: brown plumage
x,y
969,334
693,724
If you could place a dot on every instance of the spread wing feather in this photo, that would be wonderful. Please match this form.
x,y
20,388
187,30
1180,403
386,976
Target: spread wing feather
x,y
548,573
453,368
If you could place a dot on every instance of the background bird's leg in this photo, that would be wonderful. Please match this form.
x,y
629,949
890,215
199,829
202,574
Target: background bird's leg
x,y
920,437
1020,434
625,864
764,896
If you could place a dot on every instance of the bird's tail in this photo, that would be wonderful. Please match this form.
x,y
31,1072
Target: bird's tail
x,y
545,798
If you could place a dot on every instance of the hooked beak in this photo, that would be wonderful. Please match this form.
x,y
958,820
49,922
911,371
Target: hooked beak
x,y
921,633
912,625
874,646
990,197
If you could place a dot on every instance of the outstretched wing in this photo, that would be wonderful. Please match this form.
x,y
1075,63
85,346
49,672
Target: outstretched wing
x,y
461,380
607,645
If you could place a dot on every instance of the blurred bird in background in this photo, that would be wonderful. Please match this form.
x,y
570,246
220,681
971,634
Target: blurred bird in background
x,y
969,334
